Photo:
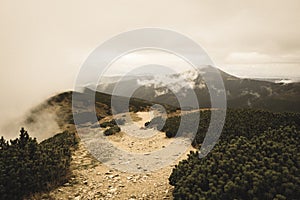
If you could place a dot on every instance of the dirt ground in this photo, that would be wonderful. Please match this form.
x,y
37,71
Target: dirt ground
x,y
92,179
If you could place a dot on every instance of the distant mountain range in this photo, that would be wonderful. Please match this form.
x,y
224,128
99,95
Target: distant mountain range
x,y
279,80
271,95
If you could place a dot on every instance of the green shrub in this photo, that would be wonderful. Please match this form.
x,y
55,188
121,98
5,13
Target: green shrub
x,y
257,157
112,130
169,134
111,123
239,122
157,122
27,167
147,124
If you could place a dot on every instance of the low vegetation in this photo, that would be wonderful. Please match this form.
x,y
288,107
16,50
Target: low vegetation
x,y
257,157
263,167
239,122
28,166
112,130
111,123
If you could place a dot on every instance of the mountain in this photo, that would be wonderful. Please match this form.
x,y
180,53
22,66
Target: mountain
x,y
152,89
59,107
276,96
92,179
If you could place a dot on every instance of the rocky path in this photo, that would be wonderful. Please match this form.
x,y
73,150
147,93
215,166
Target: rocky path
x,y
92,179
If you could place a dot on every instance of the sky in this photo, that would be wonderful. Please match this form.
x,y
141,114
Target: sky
x,y
44,43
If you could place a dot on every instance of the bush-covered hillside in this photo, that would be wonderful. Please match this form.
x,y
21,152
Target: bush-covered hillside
x,y
257,157
27,167
239,122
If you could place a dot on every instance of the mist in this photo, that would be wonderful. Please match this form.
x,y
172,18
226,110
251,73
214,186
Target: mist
x,y
43,44
40,126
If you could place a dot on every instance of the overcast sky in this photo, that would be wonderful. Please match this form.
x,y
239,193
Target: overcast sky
x,y
44,43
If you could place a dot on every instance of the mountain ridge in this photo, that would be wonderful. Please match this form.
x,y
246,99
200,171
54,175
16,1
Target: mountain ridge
x,y
240,92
